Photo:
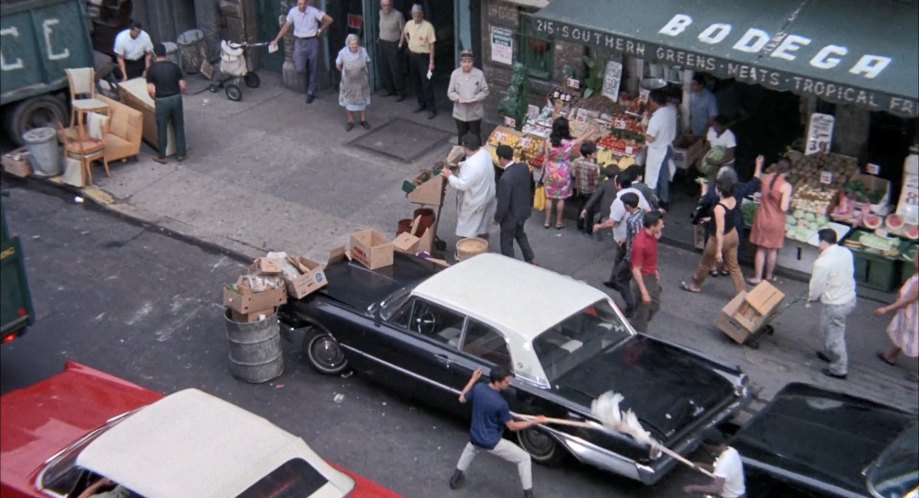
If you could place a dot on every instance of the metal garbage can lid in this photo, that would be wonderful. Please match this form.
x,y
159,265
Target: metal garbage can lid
x,y
170,47
190,36
36,135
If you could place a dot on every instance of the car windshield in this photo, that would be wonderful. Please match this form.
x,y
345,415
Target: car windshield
x,y
896,471
394,301
579,338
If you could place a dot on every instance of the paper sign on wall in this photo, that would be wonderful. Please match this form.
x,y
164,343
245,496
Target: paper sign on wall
x,y
611,79
502,45
819,133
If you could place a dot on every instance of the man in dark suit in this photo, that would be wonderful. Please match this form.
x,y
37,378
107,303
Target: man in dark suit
x,y
514,204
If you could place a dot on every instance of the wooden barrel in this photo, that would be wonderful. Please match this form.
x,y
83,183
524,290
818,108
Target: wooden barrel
x,y
469,247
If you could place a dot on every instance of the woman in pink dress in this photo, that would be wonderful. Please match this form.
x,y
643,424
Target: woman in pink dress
x,y
904,328
768,233
560,150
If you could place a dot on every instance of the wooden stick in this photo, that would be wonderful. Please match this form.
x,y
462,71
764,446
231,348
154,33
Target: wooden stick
x,y
593,425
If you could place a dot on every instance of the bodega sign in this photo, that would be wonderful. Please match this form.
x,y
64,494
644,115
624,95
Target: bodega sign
x,y
788,59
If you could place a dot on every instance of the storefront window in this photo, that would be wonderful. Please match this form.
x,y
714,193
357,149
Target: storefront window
x,y
537,51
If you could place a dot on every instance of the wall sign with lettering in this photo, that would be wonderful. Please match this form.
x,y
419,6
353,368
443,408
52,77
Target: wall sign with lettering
x,y
502,45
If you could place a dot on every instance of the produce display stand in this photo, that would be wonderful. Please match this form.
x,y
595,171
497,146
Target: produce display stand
x,y
527,148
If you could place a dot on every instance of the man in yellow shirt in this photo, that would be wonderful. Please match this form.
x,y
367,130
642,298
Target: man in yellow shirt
x,y
420,37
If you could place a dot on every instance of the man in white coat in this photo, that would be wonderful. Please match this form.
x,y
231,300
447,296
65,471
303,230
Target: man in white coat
x,y
476,184
660,134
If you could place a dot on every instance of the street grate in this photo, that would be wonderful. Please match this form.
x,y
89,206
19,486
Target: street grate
x,y
401,139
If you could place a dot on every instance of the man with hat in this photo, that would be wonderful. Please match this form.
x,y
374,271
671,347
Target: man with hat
x,y
514,204
165,84
468,89
420,37
728,469
309,24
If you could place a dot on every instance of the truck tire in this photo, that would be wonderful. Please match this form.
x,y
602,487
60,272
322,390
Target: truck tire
x,y
36,112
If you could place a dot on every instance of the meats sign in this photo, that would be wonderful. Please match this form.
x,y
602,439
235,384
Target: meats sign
x,y
786,60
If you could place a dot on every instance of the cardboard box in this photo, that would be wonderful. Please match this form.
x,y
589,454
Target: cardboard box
x,y
311,279
430,192
265,266
16,163
255,316
371,249
412,244
238,300
748,311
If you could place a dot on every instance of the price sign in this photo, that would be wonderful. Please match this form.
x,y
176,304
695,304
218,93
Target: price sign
x,y
611,80
573,83
629,150
826,177
643,94
510,122
619,124
873,169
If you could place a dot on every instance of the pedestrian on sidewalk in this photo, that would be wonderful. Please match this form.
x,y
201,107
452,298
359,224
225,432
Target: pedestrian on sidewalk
x,y
134,50
420,38
833,284
586,173
514,204
354,90
467,90
392,22
723,239
904,327
638,183
165,84
646,276
727,468
309,23
597,207
617,212
556,175
490,415
476,184
621,277
768,233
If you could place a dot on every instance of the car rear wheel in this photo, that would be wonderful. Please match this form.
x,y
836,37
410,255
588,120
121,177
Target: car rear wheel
x,y
323,352
542,447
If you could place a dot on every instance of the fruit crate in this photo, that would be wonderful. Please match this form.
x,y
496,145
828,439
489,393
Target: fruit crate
x,y
875,271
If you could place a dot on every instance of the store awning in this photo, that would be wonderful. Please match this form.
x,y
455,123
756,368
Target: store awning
x,y
849,51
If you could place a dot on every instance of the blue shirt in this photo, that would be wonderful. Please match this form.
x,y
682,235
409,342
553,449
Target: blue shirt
x,y
701,108
490,413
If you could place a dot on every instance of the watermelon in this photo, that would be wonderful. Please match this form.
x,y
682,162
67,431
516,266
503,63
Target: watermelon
x,y
912,232
894,222
871,221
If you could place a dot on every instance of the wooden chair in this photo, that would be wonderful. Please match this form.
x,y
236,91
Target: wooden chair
x,y
82,81
85,149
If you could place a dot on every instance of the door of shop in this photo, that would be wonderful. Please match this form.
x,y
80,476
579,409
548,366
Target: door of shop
x,y
268,13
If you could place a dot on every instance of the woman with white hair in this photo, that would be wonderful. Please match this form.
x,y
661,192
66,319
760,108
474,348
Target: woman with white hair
x,y
354,91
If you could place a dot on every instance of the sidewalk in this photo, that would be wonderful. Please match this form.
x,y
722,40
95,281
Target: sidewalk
x,y
273,173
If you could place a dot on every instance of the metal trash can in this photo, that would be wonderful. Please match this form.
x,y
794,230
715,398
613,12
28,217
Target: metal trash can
x,y
44,154
191,50
255,349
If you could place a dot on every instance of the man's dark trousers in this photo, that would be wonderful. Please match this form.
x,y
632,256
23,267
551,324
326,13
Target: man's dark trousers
x,y
512,230
424,87
466,127
391,67
170,109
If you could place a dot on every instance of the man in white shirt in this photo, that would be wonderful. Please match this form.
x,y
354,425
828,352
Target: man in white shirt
x,y
308,23
617,211
661,131
134,50
476,183
728,469
833,284
720,136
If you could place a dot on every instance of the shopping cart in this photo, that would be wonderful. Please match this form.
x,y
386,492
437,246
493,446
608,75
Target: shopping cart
x,y
234,69
766,327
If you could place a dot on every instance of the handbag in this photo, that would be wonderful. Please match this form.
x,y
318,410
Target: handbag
x,y
539,198
699,212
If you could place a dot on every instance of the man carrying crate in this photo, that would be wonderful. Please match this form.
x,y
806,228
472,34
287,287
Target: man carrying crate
x,y
833,284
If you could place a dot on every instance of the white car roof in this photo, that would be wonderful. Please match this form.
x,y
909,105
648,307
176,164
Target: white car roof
x,y
193,444
519,298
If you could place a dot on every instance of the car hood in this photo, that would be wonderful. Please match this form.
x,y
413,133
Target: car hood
x,y
353,284
667,387
40,420
821,435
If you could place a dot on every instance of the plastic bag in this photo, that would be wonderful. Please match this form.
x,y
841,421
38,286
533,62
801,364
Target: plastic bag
x,y
539,198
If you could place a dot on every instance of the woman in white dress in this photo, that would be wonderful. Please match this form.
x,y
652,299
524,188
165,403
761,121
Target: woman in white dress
x,y
354,91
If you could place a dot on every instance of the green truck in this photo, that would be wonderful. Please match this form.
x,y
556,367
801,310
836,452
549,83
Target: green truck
x,y
38,40
16,311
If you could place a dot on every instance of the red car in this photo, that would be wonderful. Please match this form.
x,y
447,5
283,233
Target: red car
x,y
63,434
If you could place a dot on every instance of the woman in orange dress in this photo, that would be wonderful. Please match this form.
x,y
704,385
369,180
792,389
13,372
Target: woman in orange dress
x,y
768,233
904,327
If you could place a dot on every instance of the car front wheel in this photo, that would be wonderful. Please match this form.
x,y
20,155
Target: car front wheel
x,y
542,447
323,352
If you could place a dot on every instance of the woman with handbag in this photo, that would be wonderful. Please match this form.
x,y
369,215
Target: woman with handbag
x,y
561,148
768,231
722,245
